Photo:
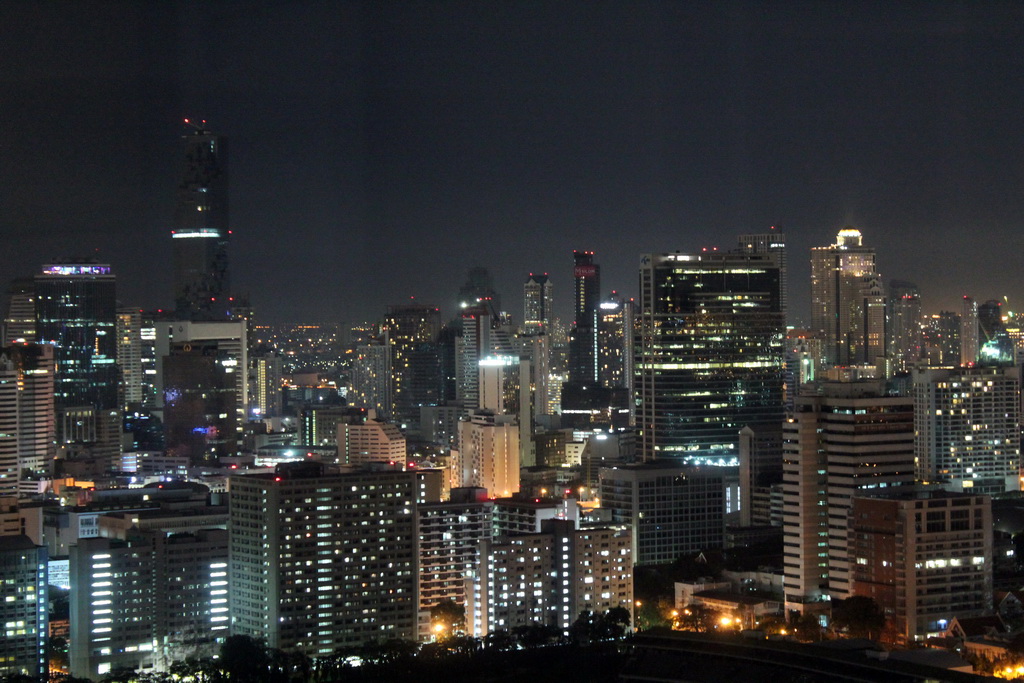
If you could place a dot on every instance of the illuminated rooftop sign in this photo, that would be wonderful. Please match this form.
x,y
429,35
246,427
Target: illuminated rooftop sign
x,y
76,269
195,232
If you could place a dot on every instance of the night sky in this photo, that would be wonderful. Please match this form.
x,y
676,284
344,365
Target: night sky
x,y
381,149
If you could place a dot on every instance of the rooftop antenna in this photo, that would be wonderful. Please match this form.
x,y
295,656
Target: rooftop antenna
x,y
199,127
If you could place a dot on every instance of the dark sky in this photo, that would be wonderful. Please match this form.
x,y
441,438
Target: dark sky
x,y
380,149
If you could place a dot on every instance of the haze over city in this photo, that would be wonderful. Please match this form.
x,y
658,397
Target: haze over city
x,y
379,150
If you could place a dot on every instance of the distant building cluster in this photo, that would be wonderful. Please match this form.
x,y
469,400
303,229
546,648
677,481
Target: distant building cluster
x,y
188,474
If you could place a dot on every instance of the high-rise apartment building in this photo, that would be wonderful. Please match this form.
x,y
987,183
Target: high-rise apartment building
x,y
583,336
550,577
76,312
202,229
940,338
841,440
924,556
26,417
710,353
412,331
146,601
373,440
322,560
968,428
450,534
265,377
537,302
489,453
129,356
847,301
24,608
905,345
370,378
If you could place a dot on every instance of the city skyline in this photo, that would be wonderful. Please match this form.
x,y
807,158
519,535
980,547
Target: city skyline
x,y
439,137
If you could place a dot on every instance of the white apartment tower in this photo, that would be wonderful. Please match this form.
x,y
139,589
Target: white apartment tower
x,y
369,442
968,428
26,416
488,454
321,560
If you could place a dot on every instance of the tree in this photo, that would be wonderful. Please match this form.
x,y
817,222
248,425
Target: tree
x,y
859,616
244,659
447,618
807,627
499,640
698,618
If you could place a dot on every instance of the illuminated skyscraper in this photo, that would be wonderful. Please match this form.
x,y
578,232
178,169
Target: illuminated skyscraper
x,y
76,312
26,417
537,302
201,229
615,342
412,330
710,353
904,324
20,323
772,242
583,337
969,338
847,301
129,355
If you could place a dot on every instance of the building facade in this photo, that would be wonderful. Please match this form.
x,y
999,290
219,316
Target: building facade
x,y
847,303
710,353
842,439
26,417
202,229
968,426
925,556
671,508
322,560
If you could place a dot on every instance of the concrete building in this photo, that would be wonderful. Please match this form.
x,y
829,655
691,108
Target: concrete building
x,y
24,607
450,534
904,329
26,417
968,428
970,342
144,602
841,440
671,508
322,560
372,441
550,577
489,453
924,555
